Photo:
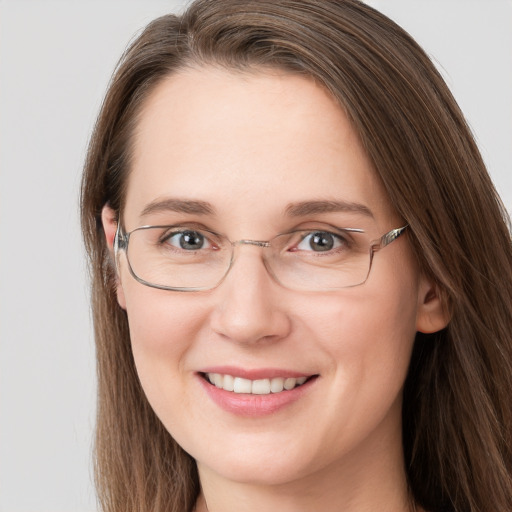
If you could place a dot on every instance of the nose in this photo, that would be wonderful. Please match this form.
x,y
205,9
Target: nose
x,y
249,304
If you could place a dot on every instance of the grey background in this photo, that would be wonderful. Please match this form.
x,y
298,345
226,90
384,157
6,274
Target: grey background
x,y
55,61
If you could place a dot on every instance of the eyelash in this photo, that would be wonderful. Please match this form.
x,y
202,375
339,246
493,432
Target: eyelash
x,y
339,240
165,239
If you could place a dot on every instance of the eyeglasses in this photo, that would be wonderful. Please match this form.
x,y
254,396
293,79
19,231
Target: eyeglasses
x,y
185,258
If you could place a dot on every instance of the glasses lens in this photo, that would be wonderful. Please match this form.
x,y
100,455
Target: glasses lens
x,y
178,257
321,260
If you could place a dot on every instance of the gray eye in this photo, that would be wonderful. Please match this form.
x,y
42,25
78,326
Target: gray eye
x,y
319,241
188,240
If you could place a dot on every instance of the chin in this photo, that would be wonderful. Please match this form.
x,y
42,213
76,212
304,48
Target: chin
x,y
259,473
258,464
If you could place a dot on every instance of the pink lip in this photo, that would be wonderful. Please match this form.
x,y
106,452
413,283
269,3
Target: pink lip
x,y
253,406
254,374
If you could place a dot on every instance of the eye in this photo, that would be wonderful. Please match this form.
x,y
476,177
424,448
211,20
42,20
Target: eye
x,y
189,240
320,241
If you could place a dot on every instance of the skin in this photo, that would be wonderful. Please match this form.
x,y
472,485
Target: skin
x,y
249,144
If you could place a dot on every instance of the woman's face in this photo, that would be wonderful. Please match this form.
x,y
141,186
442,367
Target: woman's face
x,y
252,155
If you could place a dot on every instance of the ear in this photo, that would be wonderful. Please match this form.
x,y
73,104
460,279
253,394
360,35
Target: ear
x,y
109,221
433,311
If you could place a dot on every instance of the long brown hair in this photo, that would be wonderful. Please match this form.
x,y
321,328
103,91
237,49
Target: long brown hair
x,y
457,412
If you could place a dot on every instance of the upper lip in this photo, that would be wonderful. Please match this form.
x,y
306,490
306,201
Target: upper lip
x,y
255,373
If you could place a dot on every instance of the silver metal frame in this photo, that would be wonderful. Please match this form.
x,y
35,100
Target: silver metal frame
x,y
122,239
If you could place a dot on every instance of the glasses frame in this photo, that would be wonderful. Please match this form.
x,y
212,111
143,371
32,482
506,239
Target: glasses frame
x,y
122,239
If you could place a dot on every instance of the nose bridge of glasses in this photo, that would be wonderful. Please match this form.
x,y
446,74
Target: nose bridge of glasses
x,y
257,243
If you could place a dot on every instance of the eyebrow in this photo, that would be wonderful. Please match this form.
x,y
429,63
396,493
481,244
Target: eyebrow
x,y
305,208
300,209
179,206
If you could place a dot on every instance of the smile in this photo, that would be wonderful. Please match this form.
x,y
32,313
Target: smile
x,y
254,387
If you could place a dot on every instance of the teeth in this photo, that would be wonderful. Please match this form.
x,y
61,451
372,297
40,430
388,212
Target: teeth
x,y
218,380
289,383
228,383
255,387
260,387
242,385
277,385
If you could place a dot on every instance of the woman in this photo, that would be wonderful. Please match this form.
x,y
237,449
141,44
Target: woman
x,y
301,272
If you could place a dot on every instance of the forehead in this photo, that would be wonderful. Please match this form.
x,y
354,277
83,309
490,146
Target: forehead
x,y
247,142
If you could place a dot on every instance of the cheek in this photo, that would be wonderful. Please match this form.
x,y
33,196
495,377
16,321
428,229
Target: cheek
x,y
367,335
163,329
160,322
368,321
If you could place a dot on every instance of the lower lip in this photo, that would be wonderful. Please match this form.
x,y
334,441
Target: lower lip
x,y
249,405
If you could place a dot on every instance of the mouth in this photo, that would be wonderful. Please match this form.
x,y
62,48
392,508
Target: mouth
x,y
268,386
253,393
